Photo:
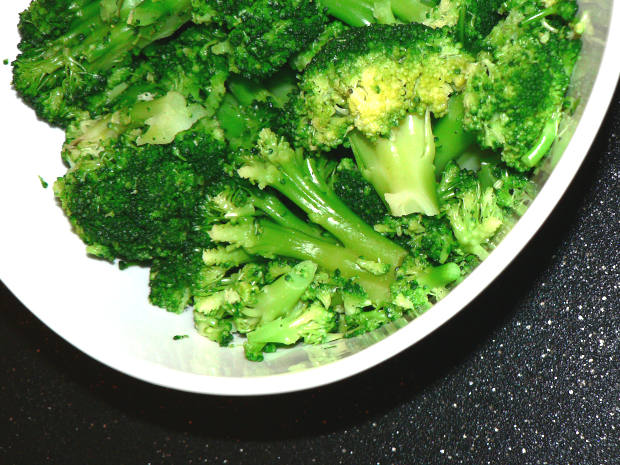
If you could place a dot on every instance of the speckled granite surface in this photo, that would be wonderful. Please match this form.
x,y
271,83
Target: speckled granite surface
x,y
528,374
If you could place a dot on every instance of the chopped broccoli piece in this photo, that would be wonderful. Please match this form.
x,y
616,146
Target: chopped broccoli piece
x,y
515,95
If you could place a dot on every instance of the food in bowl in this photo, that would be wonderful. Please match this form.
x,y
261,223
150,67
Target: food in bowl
x,y
297,171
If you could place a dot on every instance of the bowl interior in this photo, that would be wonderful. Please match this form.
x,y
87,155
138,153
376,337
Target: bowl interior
x,y
105,313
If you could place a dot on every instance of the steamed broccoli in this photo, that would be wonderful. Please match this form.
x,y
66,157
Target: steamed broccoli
x,y
515,95
363,13
284,172
476,210
69,49
137,203
266,33
378,86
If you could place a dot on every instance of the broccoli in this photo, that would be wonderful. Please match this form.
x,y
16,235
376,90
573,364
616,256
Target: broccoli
x,y
285,173
476,210
263,35
138,203
516,92
249,107
378,86
364,13
359,195
366,278
68,49
286,170
471,19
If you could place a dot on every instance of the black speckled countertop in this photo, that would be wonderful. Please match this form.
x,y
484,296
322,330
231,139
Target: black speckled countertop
x,y
527,374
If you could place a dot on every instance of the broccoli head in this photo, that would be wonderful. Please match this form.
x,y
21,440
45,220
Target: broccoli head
x,y
370,78
516,92
140,203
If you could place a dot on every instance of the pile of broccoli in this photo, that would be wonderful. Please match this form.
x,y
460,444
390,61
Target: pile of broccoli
x,y
297,170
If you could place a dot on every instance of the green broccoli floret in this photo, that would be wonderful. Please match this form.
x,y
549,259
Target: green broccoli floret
x,y
266,33
370,78
359,195
472,19
478,211
140,203
516,92
303,58
312,324
173,85
378,85
419,284
65,60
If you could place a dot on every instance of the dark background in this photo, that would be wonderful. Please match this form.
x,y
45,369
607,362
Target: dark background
x,y
527,374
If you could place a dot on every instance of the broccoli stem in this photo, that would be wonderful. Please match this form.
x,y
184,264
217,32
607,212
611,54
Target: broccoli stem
x,y
269,239
278,212
401,167
280,297
365,12
451,138
411,11
353,12
439,276
285,170
544,143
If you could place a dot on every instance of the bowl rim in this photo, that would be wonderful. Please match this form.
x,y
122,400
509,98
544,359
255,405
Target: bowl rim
x,y
514,242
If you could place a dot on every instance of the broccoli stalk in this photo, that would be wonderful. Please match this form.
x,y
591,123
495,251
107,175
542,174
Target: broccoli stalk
x,y
544,142
450,135
363,13
266,238
281,296
312,323
400,167
287,171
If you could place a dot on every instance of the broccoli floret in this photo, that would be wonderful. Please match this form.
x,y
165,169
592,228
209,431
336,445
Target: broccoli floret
x,y
303,58
378,85
266,33
477,211
65,60
359,195
140,203
370,78
514,97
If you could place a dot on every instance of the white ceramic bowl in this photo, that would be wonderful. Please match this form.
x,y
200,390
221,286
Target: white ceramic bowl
x,y
104,312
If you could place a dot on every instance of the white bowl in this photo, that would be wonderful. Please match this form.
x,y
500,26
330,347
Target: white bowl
x,y
104,312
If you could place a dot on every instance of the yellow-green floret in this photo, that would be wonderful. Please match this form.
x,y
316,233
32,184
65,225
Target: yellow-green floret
x,y
370,78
